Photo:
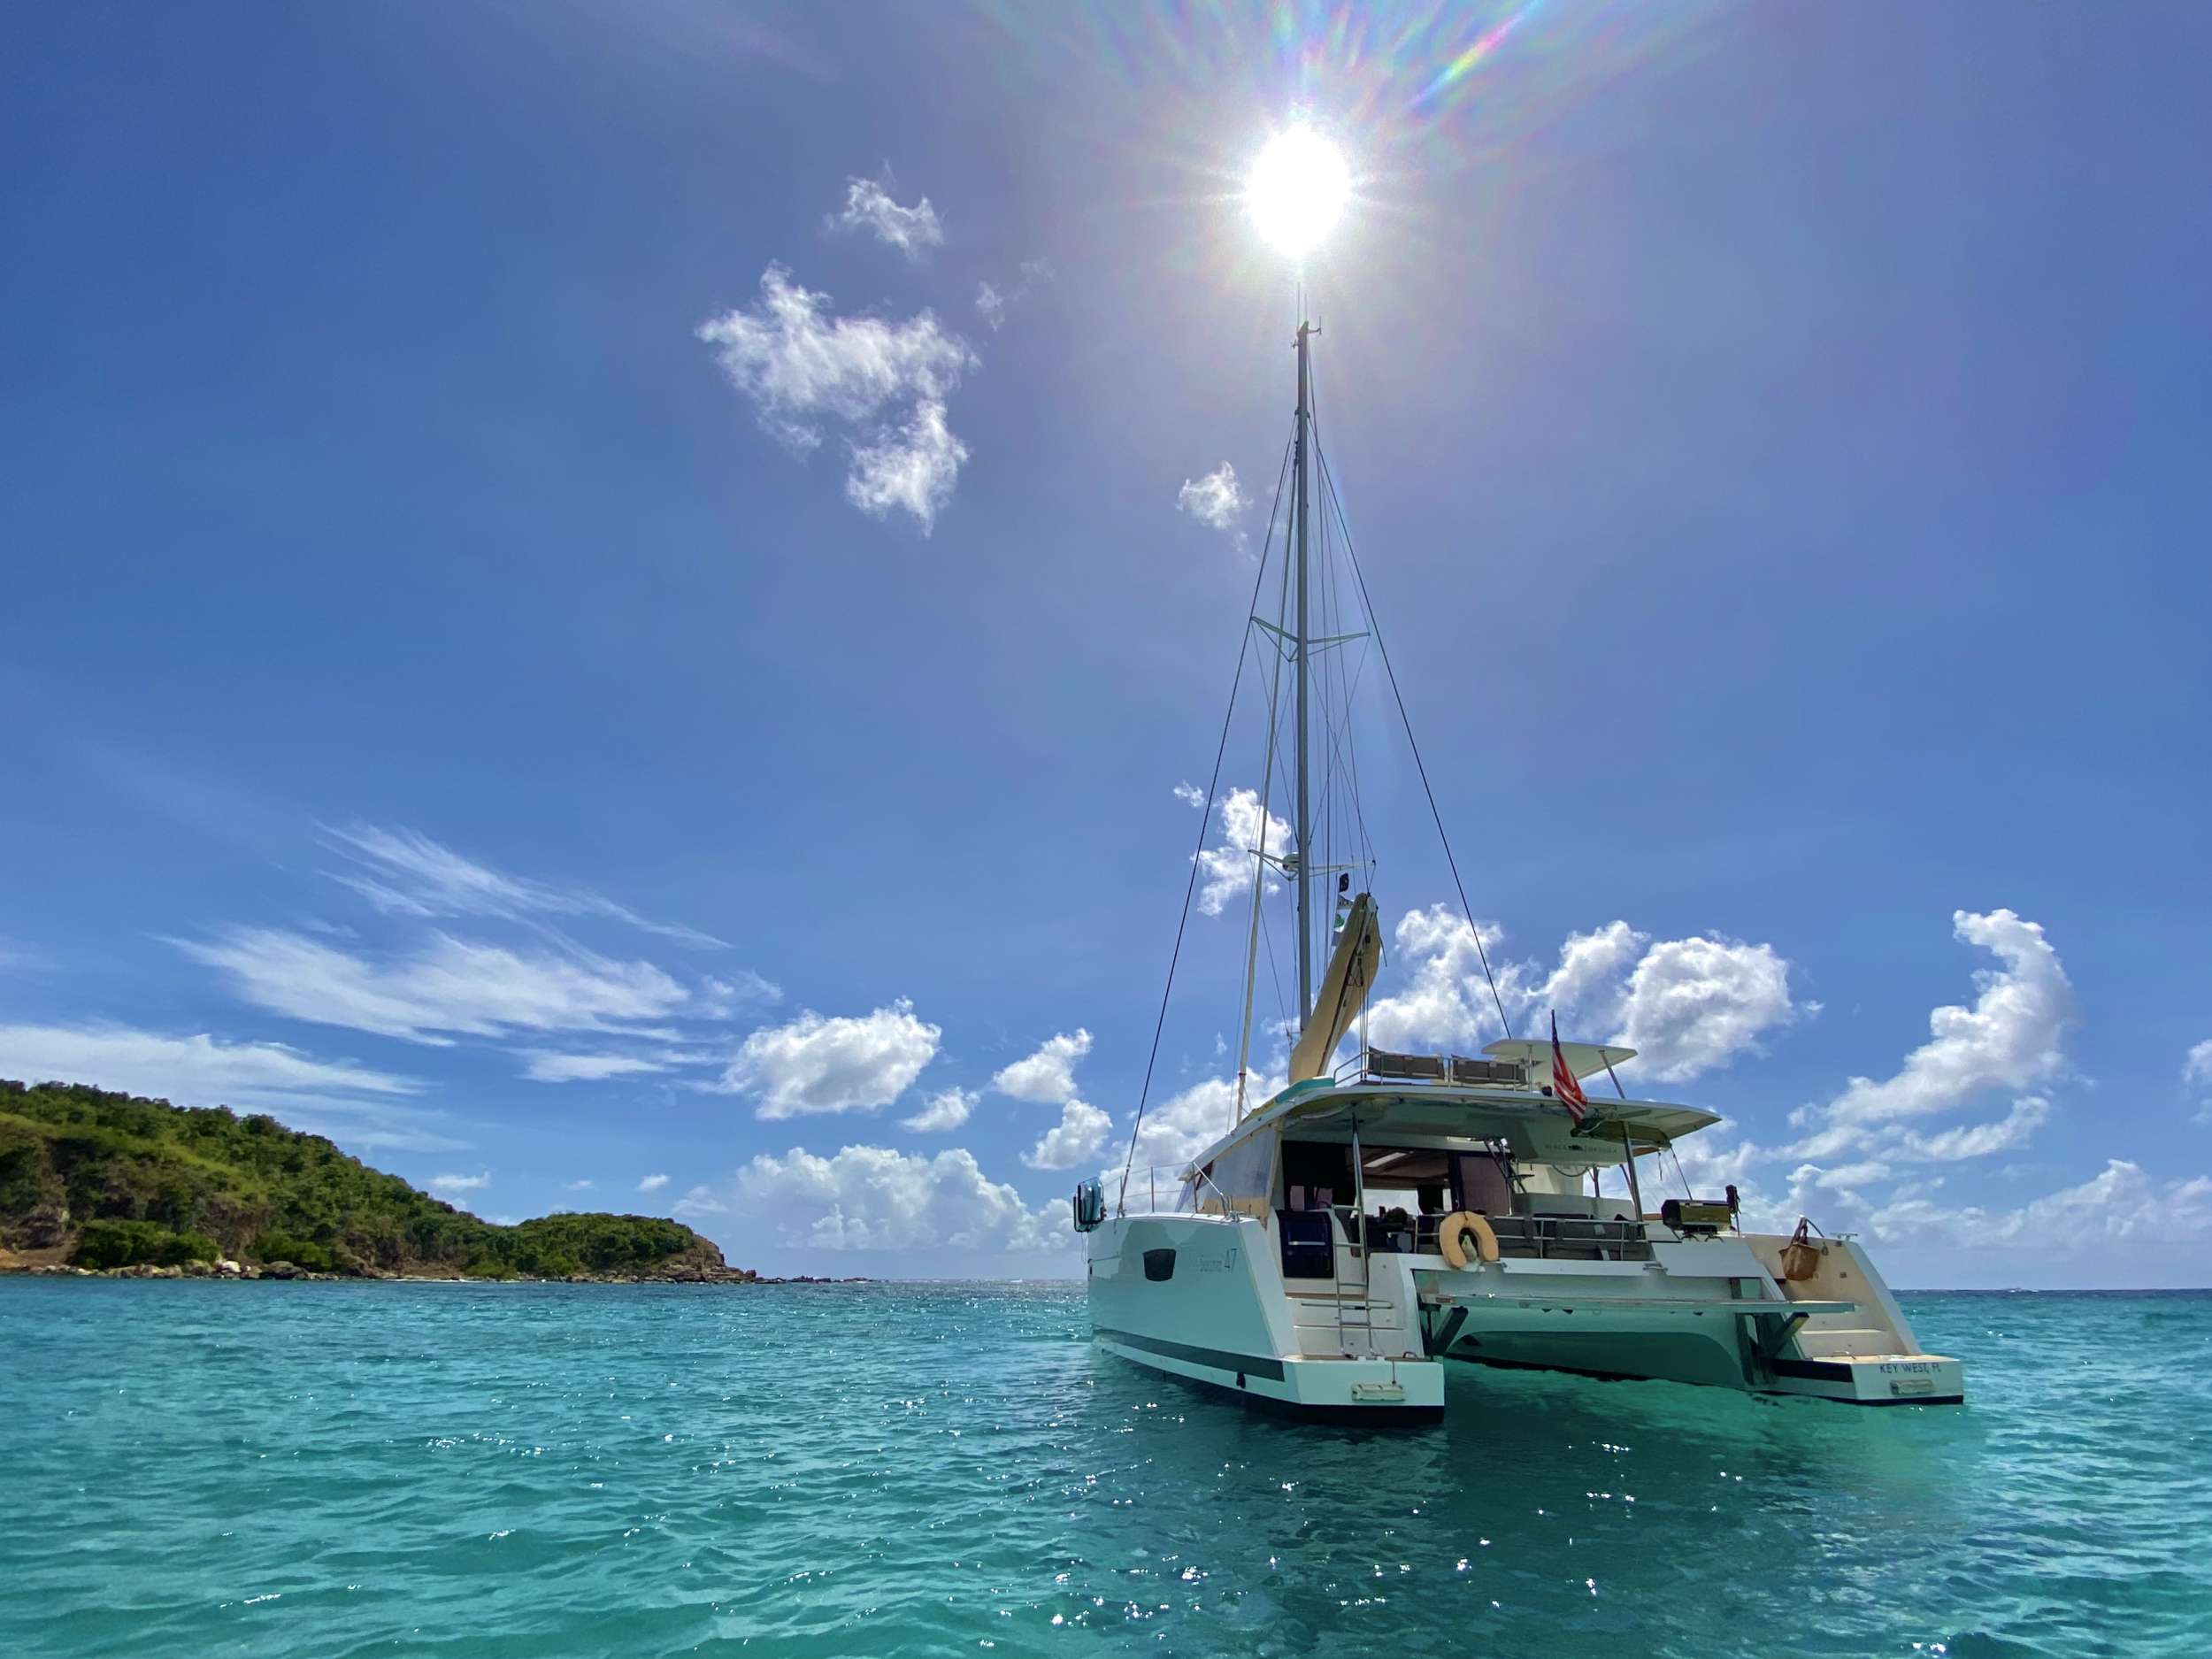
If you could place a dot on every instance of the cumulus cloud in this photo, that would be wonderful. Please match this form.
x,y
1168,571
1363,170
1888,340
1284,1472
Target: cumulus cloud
x,y
2120,1203
947,1108
1443,1001
1049,1074
869,207
991,304
448,985
1226,871
1074,1140
1694,1004
356,1104
846,1063
1687,1005
1217,501
652,1183
885,383
461,1183
1178,1128
2008,1038
875,1198
405,872
2197,1068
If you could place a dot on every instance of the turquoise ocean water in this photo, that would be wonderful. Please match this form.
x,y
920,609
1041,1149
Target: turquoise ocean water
x,y
200,1469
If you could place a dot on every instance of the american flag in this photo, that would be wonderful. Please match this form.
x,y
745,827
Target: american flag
x,y
1563,1085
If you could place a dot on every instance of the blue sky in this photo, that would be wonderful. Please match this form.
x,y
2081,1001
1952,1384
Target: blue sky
x,y
551,638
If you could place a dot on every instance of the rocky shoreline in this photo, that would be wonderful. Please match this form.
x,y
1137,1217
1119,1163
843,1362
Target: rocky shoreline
x,y
288,1272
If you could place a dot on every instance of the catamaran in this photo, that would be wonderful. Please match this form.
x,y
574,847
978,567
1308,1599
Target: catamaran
x,y
1381,1214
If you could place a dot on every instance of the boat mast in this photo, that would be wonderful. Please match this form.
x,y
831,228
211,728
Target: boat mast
x,y
1301,504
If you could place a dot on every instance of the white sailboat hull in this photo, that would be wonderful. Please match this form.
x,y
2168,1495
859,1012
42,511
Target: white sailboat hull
x,y
1203,1297
1219,1317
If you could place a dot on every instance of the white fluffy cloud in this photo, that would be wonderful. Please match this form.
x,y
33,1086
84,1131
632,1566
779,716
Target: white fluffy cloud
x,y
875,1198
1074,1140
947,1108
2008,1038
869,207
1226,871
912,465
1047,1075
351,1103
1687,1005
1443,1001
1178,1128
846,1063
1694,1004
652,1183
2121,1202
448,986
990,304
461,1183
2197,1068
405,872
884,382
1217,501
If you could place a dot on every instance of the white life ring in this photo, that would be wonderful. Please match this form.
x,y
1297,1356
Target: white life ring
x,y
1455,1229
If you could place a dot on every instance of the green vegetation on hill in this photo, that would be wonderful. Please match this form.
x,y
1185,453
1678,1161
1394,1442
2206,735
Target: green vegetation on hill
x,y
121,1180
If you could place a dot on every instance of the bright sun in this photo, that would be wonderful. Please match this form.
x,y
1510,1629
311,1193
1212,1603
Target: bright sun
x,y
1297,189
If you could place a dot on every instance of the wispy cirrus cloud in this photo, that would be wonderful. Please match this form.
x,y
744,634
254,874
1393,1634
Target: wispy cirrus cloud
x,y
869,207
404,872
548,1066
444,988
885,383
995,300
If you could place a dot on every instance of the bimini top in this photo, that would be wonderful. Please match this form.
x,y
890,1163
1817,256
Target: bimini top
x,y
1584,1059
1537,1128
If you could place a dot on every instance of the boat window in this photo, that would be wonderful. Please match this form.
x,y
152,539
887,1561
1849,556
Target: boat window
x,y
1406,1188
1245,1170
1316,1175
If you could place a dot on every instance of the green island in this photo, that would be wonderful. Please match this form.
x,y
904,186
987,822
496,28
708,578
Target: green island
x,y
92,1181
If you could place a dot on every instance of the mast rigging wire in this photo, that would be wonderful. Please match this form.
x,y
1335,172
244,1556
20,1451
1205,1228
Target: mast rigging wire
x,y
1213,786
1328,485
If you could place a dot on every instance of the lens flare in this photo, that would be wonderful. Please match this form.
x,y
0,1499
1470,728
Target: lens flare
x,y
1297,190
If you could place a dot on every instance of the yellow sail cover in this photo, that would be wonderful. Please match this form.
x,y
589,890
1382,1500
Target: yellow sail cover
x,y
1344,989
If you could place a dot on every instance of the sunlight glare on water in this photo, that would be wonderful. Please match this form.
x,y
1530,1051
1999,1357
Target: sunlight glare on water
x,y
233,1469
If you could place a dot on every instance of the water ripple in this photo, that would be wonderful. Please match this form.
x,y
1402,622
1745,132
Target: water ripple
x,y
215,1468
